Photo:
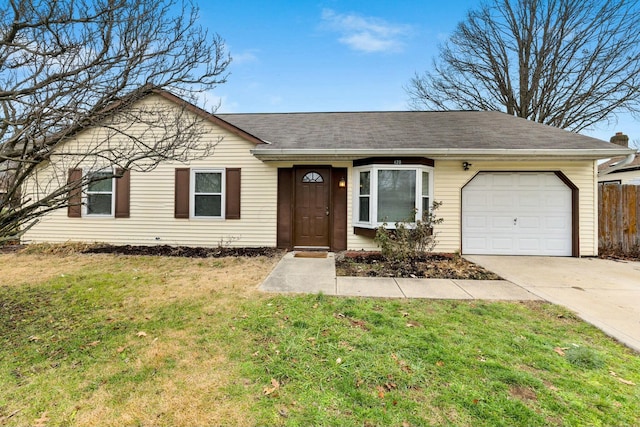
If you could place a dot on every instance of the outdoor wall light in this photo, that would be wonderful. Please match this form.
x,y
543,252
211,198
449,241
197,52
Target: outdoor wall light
x,y
466,165
342,183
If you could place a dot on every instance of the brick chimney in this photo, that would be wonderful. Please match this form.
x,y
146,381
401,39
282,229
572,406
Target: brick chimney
x,y
620,139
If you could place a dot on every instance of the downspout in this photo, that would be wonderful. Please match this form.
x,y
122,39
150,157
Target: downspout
x,y
630,158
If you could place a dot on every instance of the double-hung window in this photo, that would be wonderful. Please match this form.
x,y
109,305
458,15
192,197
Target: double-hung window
x,y
100,197
391,193
364,196
207,193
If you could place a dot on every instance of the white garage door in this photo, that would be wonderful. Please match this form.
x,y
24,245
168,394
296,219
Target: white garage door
x,y
516,213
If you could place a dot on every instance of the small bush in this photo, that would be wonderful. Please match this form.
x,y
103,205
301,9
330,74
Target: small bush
x,y
409,241
584,357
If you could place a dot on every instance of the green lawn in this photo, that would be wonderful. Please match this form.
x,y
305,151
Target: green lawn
x,y
114,340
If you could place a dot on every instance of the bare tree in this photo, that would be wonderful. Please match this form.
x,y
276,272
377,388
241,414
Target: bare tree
x,y
70,65
565,63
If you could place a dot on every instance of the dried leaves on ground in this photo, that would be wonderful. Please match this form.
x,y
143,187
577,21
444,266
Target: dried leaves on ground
x,y
433,265
618,254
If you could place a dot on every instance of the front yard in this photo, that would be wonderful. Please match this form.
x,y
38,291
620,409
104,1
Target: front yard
x,y
143,340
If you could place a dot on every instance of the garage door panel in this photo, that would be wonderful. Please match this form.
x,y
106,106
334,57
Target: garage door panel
x,y
477,244
478,199
532,201
529,223
476,222
529,180
501,243
560,201
501,223
530,245
501,200
540,203
555,244
558,223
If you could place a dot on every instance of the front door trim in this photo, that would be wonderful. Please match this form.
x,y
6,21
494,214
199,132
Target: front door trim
x,y
337,178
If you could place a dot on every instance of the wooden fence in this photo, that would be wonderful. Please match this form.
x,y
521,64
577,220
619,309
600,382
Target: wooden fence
x,y
619,217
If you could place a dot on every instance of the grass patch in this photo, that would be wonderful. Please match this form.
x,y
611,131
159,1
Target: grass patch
x,y
340,361
584,357
115,340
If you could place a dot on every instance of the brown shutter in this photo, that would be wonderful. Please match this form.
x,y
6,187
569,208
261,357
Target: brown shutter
x,y
74,210
123,190
232,197
284,231
181,207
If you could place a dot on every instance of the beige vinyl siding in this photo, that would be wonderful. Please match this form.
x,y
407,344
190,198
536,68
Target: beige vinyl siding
x,y
449,178
152,219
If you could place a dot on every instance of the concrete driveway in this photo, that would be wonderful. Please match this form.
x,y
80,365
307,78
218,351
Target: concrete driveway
x,y
604,293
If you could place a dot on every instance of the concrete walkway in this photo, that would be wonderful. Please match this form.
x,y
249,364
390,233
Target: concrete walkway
x,y
315,275
604,293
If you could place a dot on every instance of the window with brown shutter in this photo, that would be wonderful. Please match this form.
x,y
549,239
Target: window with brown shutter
x,y
205,197
100,195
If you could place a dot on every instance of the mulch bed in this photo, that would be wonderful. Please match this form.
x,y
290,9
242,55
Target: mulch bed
x,y
433,265
183,251
159,250
10,248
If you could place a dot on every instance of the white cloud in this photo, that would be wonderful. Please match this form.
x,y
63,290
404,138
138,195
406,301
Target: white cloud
x,y
244,57
366,34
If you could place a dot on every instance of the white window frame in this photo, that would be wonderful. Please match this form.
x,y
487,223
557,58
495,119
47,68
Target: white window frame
x,y
373,192
86,193
192,193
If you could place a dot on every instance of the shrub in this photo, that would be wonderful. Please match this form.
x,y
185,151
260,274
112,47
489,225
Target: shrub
x,y
409,241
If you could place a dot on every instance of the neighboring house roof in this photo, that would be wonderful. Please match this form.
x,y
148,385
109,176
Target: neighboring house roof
x,y
634,165
435,133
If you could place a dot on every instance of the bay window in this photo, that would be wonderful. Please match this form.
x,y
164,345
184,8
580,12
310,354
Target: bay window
x,y
390,194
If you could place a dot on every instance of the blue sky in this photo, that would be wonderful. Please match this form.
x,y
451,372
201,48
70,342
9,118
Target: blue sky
x,y
331,55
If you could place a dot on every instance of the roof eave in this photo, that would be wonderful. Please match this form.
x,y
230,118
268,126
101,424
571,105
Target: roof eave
x,y
208,116
276,154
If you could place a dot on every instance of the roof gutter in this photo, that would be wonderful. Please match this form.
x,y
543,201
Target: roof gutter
x,y
630,158
274,154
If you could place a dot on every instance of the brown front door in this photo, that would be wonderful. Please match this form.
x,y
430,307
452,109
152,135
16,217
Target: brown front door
x,y
312,207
